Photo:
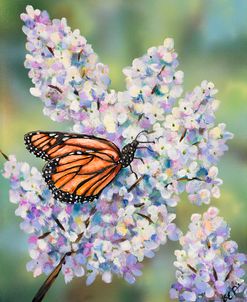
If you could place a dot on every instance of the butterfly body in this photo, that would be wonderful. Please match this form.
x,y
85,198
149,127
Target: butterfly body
x,y
128,154
78,166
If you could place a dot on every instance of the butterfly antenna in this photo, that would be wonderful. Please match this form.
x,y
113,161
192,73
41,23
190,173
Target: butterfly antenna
x,y
4,155
144,131
148,142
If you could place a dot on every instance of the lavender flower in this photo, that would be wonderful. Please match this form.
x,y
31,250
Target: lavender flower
x,y
187,145
209,265
130,220
110,236
63,67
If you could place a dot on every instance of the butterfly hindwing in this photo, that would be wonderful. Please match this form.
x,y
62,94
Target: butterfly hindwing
x,y
79,177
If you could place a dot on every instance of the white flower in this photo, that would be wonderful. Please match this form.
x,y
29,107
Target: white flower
x,y
171,123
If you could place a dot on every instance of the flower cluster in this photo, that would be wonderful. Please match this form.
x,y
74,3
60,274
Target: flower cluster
x,y
103,237
63,67
209,265
130,219
187,141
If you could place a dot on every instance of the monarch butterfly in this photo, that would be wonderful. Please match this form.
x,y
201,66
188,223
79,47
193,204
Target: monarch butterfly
x,y
79,166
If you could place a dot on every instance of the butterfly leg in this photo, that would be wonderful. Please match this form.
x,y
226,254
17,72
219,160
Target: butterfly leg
x,y
133,172
145,148
139,159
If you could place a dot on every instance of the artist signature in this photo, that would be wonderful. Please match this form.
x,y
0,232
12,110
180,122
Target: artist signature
x,y
231,293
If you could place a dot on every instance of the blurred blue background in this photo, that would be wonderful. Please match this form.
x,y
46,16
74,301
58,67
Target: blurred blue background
x,y
211,39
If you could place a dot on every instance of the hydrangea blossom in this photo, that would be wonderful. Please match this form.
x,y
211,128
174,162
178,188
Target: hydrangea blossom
x,y
110,236
64,68
130,219
209,266
187,141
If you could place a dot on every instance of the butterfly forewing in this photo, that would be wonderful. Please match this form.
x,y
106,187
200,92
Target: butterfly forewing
x,y
49,145
79,167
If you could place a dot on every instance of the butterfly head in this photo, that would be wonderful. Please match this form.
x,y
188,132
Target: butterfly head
x,y
128,151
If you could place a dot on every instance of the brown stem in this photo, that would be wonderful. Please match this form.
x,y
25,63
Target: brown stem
x,y
4,155
140,117
163,67
156,86
50,50
192,268
139,205
50,279
146,217
41,197
76,92
92,212
79,55
183,135
135,184
208,244
55,87
98,105
119,240
58,222
44,235
229,273
215,274
185,179
153,90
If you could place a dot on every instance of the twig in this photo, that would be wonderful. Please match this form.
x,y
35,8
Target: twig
x,y
156,86
44,235
154,89
92,212
58,222
215,274
184,179
139,205
98,104
4,155
146,217
140,116
50,50
79,55
55,87
183,135
229,273
163,67
192,268
76,92
41,197
119,240
50,280
208,244
136,183
52,277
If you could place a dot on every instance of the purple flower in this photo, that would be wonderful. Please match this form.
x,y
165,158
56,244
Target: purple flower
x,y
209,265
114,234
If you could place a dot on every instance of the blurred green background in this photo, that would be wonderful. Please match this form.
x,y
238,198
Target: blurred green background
x,y
211,39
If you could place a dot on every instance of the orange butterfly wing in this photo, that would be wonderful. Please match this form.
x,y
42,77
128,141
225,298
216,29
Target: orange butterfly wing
x,y
79,166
